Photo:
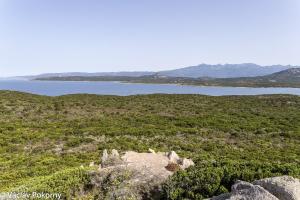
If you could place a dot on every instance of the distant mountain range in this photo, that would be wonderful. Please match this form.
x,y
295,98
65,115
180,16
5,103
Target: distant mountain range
x,y
286,78
85,74
224,71
202,70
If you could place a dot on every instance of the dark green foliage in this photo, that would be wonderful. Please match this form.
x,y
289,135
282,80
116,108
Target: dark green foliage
x,y
193,184
65,182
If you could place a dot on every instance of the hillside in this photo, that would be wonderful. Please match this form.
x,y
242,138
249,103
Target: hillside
x,y
292,74
224,71
285,78
44,140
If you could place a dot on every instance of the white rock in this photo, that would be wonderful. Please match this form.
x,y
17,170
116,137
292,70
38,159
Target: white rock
x,y
284,187
173,157
92,164
151,150
104,157
186,163
115,153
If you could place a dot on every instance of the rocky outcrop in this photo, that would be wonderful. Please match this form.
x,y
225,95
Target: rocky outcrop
x,y
277,188
284,187
136,175
148,160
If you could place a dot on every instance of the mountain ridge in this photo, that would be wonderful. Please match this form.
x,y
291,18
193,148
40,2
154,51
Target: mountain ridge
x,y
225,70
201,70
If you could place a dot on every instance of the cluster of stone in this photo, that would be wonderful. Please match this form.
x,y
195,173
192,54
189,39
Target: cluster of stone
x,y
144,172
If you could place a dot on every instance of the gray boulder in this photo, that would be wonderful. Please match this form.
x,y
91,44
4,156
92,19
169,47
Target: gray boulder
x,y
246,191
284,187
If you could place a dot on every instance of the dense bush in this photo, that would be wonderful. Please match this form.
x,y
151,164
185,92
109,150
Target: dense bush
x,y
67,182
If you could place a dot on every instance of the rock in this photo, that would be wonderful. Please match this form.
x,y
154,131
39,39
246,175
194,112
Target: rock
x,y
151,151
92,164
173,157
284,187
241,185
115,153
221,197
186,163
112,159
104,156
148,163
246,191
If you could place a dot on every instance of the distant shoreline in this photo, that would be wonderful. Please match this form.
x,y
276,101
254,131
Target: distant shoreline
x,y
178,81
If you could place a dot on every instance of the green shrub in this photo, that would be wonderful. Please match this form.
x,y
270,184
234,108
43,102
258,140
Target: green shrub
x,y
66,182
249,137
193,184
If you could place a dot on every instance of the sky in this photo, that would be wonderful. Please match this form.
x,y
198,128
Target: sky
x,y
39,36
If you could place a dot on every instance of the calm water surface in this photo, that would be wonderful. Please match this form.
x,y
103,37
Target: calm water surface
x,y
56,88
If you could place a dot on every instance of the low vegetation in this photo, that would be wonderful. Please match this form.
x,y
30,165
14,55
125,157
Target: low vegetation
x,y
44,140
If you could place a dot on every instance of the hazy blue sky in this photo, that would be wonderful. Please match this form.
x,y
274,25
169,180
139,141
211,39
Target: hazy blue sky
x,y
39,36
